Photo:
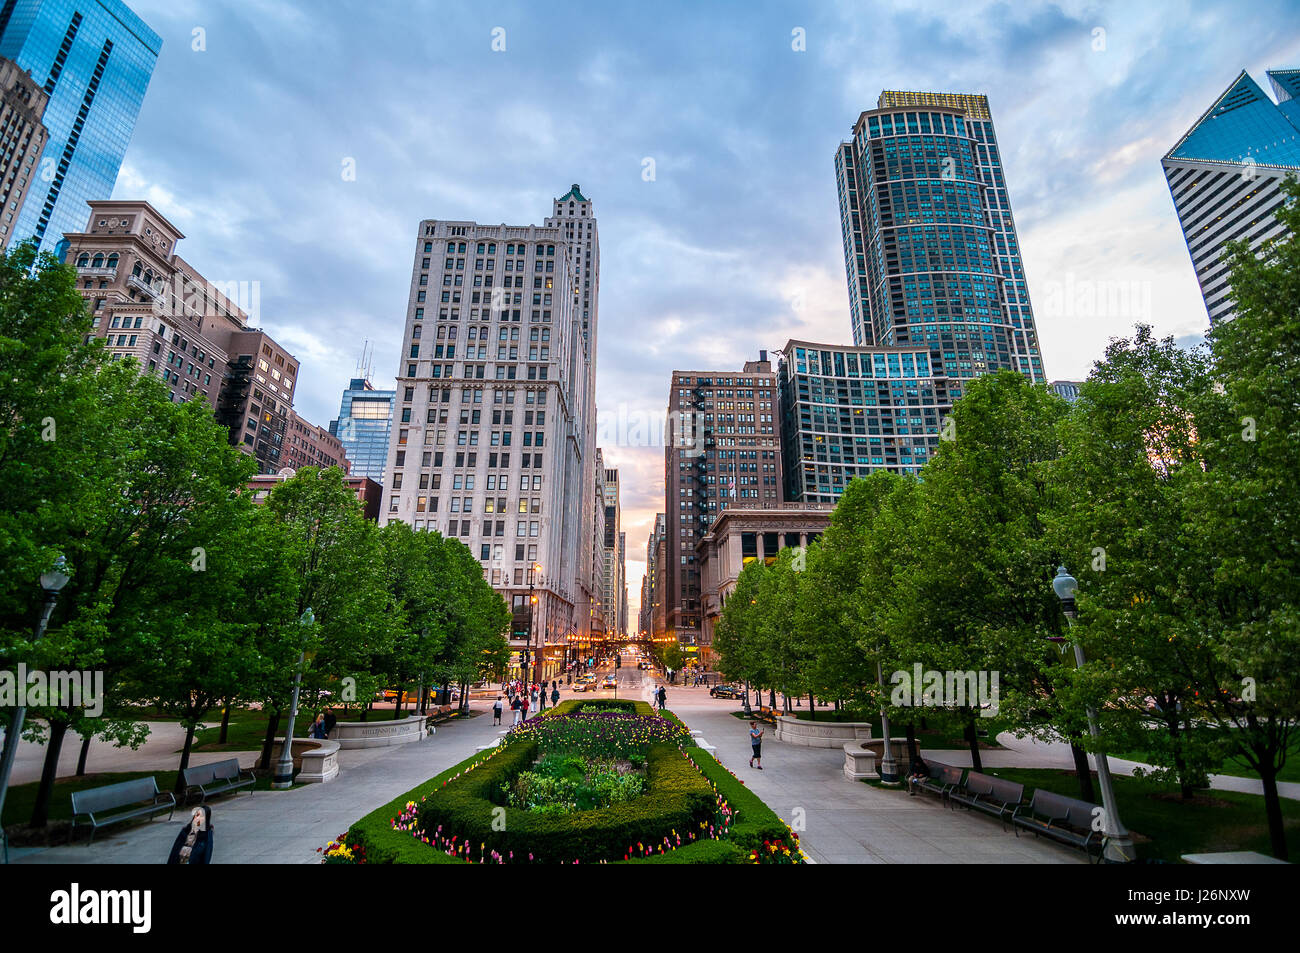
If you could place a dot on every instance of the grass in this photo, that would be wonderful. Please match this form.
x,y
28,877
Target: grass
x,y
1235,766
1170,827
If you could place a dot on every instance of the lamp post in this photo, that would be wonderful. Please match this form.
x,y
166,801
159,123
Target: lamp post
x,y
1118,848
52,581
284,769
532,621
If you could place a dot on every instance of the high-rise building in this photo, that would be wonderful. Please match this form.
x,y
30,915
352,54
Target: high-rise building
x,y
930,247
150,304
1225,175
1067,389
22,138
622,574
596,543
93,59
363,426
846,411
722,443
653,587
612,583
308,445
494,439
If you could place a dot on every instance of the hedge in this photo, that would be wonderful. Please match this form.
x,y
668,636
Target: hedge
x,y
754,822
677,800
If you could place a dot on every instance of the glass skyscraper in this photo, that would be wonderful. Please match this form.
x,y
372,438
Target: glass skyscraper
x,y
1225,175
94,59
363,426
930,246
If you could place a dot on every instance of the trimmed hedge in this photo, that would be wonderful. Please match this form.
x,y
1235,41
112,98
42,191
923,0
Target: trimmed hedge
x,y
701,852
677,800
754,821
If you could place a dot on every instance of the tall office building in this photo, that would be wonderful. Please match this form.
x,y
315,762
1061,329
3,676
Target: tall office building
x,y
93,59
22,138
1225,175
722,445
612,582
363,426
653,588
846,411
494,439
930,247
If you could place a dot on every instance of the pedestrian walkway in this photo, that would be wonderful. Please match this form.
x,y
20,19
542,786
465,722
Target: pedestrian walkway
x,y
848,822
285,827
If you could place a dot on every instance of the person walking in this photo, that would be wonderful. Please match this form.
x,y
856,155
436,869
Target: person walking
x,y
524,706
663,697
193,845
516,707
756,744
555,695
496,711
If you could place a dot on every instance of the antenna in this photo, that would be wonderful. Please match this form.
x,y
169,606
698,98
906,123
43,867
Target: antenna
x,y
364,365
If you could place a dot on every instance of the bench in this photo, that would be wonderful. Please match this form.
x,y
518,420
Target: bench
x,y
991,795
942,781
1061,818
216,778
440,713
96,802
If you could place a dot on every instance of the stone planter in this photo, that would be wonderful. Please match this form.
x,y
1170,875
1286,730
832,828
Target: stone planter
x,y
859,762
378,734
320,764
820,734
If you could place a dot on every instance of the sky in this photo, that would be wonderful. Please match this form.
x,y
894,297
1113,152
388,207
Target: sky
x,y
299,144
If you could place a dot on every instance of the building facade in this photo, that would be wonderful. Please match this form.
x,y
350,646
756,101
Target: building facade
x,y
309,445
94,59
722,444
846,411
364,426
498,444
613,581
930,247
22,139
1225,175
742,533
1066,389
150,304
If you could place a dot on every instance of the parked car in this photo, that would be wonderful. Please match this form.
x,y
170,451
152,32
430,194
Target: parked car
x,y
727,691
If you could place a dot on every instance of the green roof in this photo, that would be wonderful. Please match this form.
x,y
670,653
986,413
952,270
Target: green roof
x,y
573,194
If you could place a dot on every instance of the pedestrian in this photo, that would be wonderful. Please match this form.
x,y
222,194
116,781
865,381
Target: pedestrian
x,y
663,697
317,729
516,707
555,695
756,743
193,845
524,706
918,772
330,721
496,711
534,697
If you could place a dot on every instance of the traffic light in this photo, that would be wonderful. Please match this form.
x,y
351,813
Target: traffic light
x,y
618,661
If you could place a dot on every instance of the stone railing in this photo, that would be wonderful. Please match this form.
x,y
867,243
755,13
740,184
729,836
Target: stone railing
x,y
320,764
378,734
820,734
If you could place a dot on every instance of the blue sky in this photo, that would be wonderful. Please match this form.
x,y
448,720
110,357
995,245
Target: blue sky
x,y
735,244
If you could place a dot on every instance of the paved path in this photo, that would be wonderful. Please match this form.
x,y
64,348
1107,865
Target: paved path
x,y
848,822
287,826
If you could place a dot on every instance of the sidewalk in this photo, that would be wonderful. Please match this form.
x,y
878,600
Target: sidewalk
x,y
286,827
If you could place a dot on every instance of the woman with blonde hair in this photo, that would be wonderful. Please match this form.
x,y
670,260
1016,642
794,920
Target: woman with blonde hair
x,y
193,845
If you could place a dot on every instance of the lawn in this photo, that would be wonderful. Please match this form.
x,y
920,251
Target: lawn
x,y
1170,827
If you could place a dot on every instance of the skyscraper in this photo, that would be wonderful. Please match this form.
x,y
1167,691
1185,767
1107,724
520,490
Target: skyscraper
x,y
1225,175
930,247
722,446
363,426
94,59
22,138
494,439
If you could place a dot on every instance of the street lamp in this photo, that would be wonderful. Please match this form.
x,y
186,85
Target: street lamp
x,y
284,769
1118,846
52,581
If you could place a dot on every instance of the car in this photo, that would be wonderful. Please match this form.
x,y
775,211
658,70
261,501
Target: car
x,y
726,691
610,682
580,686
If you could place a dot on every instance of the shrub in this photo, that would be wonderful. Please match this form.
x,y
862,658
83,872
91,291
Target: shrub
x,y
753,822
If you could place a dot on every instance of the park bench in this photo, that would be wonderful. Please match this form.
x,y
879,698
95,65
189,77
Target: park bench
x,y
216,778
95,803
1061,818
440,713
988,794
942,781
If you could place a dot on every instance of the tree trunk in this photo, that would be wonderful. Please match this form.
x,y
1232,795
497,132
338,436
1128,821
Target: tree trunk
x,y
225,723
972,739
913,753
771,698
397,708
1083,771
272,726
1273,809
41,812
179,787
81,759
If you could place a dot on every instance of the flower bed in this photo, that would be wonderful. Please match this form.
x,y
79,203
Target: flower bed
x,y
692,810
